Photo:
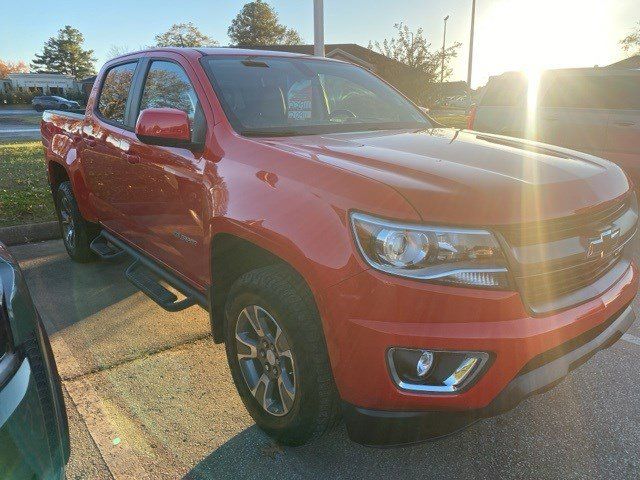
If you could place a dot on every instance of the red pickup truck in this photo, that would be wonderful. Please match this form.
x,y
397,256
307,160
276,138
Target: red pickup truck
x,y
358,260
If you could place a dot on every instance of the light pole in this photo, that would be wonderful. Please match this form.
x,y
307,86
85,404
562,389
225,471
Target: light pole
x,y
318,28
444,40
473,22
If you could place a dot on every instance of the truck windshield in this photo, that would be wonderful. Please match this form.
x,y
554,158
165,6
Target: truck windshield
x,y
298,96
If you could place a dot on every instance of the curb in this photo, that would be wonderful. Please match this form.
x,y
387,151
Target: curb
x,y
36,232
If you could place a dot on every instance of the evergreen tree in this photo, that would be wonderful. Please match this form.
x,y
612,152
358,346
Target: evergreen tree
x,y
64,54
257,24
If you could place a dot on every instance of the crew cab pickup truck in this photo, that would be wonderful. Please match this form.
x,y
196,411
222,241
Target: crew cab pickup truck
x,y
357,260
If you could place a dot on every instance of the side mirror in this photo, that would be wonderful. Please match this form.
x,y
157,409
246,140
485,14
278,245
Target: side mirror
x,y
167,127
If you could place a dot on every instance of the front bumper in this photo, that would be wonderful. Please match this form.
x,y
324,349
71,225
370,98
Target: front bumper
x,y
371,312
377,427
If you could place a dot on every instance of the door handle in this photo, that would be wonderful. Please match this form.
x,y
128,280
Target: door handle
x,y
624,124
131,158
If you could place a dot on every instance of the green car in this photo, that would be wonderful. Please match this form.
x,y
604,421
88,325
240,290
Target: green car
x,y
34,433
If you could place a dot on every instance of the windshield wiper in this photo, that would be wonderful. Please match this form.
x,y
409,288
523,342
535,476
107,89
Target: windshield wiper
x,y
270,133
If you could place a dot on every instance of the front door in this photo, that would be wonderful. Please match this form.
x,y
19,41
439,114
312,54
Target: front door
x,y
168,201
623,134
573,114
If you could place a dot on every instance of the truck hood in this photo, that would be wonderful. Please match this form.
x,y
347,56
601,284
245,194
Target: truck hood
x,y
465,177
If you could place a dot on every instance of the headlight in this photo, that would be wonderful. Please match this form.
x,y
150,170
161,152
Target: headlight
x,y
455,256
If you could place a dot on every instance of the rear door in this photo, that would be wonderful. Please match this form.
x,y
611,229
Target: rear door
x,y
168,200
502,108
623,134
106,145
573,111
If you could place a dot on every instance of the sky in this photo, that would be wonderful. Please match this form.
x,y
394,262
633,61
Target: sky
x,y
510,34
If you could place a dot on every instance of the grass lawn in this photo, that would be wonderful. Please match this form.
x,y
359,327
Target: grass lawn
x,y
24,192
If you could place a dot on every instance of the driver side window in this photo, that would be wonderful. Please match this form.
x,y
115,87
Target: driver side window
x,y
167,86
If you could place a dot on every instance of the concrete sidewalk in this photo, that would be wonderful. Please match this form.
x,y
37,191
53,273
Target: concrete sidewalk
x,y
150,396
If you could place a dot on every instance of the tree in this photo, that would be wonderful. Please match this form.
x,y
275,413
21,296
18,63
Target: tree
x,y
12,67
184,35
631,43
64,54
257,24
117,51
413,49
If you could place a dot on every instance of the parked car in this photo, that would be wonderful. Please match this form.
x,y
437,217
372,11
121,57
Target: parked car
x,y
34,435
354,259
458,102
53,102
593,110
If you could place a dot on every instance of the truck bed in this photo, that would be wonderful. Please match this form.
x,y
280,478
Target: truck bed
x,y
60,130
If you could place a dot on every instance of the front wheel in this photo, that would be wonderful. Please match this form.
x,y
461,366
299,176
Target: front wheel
x,y
277,355
77,233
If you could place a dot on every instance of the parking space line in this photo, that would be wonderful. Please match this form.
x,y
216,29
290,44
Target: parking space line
x,y
631,339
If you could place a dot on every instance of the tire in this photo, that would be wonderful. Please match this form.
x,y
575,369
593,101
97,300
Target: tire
x,y
283,297
70,219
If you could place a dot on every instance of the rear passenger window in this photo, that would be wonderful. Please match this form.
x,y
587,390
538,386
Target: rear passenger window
x,y
167,86
615,92
115,91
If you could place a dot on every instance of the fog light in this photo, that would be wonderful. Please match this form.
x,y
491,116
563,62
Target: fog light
x,y
425,362
433,371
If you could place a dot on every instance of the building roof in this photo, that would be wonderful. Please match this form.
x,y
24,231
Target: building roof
x,y
90,79
38,74
631,62
351,49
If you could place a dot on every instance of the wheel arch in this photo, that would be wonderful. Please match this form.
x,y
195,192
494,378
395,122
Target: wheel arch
x,y
233,255
57,175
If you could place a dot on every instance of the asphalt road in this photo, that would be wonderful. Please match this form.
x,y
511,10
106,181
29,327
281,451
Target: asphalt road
x,y
150,396
17,111
12,127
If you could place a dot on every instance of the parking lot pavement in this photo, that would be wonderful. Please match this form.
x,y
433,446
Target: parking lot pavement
x,y
150,396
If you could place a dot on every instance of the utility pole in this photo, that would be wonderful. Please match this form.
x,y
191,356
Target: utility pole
x,y
473,22
444,40
318,28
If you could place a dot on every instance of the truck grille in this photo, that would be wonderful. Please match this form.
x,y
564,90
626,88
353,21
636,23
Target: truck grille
x,y
563,262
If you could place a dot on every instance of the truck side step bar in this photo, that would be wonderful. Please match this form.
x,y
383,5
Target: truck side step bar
x,y
105,249
146,275
148,283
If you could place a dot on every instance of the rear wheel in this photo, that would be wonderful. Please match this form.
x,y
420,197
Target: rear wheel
x,y
277,355
77,233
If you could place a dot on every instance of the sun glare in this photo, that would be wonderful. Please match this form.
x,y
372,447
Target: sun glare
x,y
533,36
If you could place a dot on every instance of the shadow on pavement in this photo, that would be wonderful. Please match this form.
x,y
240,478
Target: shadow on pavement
x,y
69,292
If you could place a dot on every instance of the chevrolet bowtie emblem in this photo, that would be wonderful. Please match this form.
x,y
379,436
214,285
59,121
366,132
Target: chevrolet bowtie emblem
x,y
604,244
